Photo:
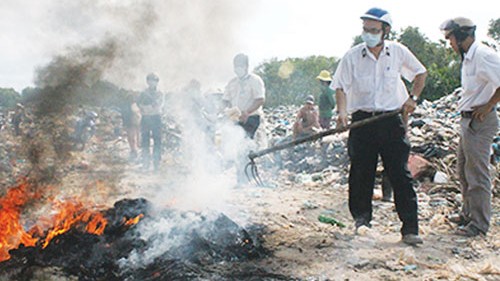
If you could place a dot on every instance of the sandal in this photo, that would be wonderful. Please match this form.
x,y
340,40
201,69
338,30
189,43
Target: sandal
x,y
457,219
469,231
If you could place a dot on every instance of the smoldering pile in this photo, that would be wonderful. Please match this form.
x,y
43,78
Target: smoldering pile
x,y
177,246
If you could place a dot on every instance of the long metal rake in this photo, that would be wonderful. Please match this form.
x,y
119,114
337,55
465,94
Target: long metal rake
x,y
251,170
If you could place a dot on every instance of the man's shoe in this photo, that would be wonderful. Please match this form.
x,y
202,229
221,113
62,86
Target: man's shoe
x,y
359,223
387,199
362,227
412,239
132,156
469,231
145,166
457,219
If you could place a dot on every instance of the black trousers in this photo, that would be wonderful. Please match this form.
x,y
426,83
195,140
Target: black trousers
x,y
151,127
251,125
387,138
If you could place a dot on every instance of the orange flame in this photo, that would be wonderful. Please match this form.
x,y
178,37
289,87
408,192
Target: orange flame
x,y
12,233
133,221
73,213
67,215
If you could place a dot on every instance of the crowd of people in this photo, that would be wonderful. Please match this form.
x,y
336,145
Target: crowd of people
x,y
369,82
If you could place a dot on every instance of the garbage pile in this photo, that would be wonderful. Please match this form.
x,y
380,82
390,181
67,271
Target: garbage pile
x,y
433,131
7,158
46,148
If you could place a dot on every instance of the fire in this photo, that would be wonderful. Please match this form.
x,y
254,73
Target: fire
x,y
12,233
70,214
133,221
64,216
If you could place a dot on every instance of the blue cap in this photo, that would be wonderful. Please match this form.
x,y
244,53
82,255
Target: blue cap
x,y
378,15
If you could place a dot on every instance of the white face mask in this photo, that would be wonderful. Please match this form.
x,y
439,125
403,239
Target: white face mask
x,y
371,40
240,71
152,83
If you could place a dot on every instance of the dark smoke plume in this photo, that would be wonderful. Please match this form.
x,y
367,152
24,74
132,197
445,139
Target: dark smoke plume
x,y
66,80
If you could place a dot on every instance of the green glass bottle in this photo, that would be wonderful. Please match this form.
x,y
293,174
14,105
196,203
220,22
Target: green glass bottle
x,y
327,219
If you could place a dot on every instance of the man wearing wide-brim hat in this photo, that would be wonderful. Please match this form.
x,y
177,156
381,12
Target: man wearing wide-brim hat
x,y
326,100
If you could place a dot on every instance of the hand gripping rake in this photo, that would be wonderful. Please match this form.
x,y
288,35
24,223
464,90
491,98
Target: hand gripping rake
x,y
251,167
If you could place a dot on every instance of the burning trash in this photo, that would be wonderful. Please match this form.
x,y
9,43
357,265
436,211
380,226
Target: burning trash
x,y
63,216
111,244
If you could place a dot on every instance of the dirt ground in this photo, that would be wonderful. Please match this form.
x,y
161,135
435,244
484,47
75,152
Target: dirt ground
x,y
307,249
310,250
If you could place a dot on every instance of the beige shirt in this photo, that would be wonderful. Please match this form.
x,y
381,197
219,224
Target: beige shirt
x,y
480,76
243,92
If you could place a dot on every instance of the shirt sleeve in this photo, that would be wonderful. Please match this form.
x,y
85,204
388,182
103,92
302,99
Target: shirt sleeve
x,y
162,101
228,91
489,69
343,77
259,90
331,98
411,65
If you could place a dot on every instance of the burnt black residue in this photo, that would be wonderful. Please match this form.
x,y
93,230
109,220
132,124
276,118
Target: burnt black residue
x,y
217,249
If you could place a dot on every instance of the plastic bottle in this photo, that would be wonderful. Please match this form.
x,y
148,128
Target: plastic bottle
x,y
327,219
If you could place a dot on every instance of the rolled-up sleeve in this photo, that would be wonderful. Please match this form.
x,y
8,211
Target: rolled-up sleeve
x,y
411,65
259,90
489,69
343,76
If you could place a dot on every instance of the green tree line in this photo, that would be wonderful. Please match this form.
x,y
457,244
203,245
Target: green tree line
x,y
289,81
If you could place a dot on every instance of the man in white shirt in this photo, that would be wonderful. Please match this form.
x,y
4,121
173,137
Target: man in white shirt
x,y
368,83
479,124
243,97
247,93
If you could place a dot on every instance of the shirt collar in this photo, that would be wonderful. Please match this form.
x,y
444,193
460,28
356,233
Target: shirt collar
x,y
244,77
385,51
472,50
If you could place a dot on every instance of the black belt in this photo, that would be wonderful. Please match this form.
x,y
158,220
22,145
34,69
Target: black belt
x,y
370,113
360,114
466,114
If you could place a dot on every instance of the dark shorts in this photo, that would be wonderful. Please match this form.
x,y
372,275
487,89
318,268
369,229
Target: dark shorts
x,y
325,123
251,125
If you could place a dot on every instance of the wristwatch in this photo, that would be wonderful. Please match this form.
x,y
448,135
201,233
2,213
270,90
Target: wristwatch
x,y
414,98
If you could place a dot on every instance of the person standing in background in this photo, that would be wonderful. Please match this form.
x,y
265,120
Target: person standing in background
x,y
243,98
150,103
326,102
246,92
131,119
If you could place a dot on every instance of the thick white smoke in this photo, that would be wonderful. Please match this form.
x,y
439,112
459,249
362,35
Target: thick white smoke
x,y
179,40
121,42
